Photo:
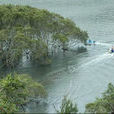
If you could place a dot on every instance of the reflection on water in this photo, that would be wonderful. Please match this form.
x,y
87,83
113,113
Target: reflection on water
x,y
82,76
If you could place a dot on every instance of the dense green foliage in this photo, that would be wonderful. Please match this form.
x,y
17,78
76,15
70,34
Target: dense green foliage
x,y
104,104
67,107
16,90
39,31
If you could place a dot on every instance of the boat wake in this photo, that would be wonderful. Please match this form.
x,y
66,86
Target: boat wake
x,y
97,59
75,68
89,62
103,44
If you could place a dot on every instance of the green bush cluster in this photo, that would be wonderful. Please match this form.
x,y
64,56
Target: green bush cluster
x,y
16,91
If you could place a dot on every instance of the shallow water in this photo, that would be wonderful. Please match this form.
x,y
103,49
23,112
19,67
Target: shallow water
x,y
82,76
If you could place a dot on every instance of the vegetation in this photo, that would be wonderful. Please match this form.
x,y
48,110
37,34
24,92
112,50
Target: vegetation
x,y
16,91
25,28
67,107
104,104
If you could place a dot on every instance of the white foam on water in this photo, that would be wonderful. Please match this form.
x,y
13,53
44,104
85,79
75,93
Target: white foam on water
x,y
97,59
103,44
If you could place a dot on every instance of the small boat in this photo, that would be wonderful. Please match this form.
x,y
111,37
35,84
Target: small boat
x,y
111,50
90,42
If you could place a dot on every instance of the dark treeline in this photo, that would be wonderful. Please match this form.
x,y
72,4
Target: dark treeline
x,y
39,33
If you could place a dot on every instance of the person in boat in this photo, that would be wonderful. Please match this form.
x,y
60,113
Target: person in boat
x,y
112,50
89,41
94,42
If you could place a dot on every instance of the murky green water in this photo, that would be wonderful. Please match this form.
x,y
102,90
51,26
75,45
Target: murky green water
x,y
82,76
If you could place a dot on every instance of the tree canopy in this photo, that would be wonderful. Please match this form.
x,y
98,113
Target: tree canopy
x,y
104,104
16,90
39,31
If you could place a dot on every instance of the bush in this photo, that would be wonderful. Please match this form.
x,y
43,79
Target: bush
x,y
16,91
67,107
104,104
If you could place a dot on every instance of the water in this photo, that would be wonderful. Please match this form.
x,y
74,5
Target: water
x,y
83,76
